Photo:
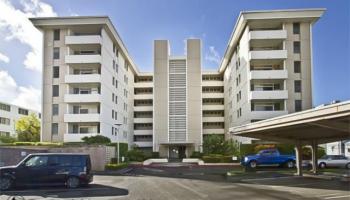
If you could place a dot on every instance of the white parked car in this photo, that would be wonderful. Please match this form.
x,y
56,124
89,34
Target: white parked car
x,y
334,161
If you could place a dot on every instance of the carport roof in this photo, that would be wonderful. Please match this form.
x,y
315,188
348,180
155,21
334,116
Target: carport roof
x,y
324,124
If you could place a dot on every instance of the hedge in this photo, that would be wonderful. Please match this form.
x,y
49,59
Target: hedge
x,y
217,158
123,148
32,144
111,166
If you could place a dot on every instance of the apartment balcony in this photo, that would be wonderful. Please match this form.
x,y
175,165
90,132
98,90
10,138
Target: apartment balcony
x,y
267,34
267,54
82,98
213,107
76,59
213,119
143,132
212,95
82,78
143,85
143,108
76,137
268,74
268,94
143,120
83,39
214,131
90,117
143,96
212,83
144,144
267,114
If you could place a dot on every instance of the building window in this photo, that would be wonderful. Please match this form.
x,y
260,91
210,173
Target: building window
x,y
116,67
297,66
113,80
116,99
4,133
112,114
56,34
112,130
22,111
297,105
54,128
113,65
54,109
116,83
4,120
116,115
239,78
296,28
5,107
56,53
112,97
297,86
55,91
56,72
296,47
126,66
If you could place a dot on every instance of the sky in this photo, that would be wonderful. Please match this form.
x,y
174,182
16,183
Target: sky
x,y
139,23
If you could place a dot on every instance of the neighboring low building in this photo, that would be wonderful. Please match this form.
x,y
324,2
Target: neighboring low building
x,y
9,115
91,85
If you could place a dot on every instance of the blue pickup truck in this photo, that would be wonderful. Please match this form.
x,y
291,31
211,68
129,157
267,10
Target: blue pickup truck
x,y
268,157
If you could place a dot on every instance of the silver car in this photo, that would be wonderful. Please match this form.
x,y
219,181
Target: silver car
x,y
334,161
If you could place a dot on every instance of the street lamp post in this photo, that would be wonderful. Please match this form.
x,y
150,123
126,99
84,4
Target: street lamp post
x,y
118,126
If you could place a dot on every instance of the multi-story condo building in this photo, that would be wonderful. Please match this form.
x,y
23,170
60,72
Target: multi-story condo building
x,y
91,86
9,115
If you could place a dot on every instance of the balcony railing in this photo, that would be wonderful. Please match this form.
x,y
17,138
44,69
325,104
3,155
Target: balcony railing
x,y
268,94
83,39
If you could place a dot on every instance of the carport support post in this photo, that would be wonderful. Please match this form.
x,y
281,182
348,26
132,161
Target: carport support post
x,y
299,159
314,146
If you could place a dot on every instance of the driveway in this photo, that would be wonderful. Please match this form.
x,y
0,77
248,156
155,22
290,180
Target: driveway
x,y
193,182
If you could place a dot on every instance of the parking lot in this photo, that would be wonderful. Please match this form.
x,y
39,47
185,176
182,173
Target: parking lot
x,y
194,182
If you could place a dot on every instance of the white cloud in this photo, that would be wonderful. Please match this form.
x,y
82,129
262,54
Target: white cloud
x,y
28,97
16,25
4,58
213,55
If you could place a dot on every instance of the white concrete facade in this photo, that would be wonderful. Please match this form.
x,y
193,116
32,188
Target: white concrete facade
x,y
256,80
9,115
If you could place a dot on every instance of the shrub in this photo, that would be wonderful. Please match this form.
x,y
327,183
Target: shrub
x,y
24,143
98,139
112,166
217,158
136,155
7,139
216,144
155,154
196,154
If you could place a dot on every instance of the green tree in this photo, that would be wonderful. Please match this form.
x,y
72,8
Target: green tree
x,y
98,139
28,128
216,144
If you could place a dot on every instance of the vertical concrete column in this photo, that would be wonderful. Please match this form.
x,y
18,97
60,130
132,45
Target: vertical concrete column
x,y
299,159
314,148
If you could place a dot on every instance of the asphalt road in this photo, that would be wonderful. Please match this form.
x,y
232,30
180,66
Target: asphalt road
x,y
183,183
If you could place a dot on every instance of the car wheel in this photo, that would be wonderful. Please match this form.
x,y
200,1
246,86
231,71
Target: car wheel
x,y
347,166
252,164
290,164
5,183
73,182
322,165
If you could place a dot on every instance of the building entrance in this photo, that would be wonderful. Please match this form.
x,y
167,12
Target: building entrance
x,y
177,152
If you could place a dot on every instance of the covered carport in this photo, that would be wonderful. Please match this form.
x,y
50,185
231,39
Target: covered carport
x,y
310,127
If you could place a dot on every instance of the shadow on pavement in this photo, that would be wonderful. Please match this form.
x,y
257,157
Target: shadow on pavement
x,y
93,190
301,182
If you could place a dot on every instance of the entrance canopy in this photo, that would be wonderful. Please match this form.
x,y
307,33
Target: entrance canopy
x,y
323,124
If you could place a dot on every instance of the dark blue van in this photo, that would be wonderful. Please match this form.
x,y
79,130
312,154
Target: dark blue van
x,y
72,170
